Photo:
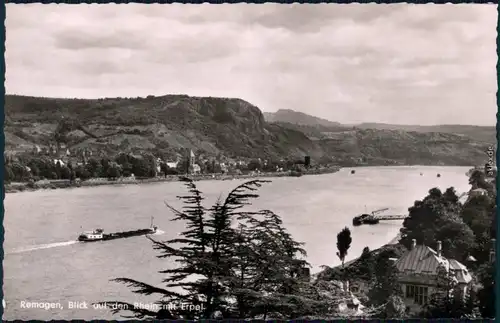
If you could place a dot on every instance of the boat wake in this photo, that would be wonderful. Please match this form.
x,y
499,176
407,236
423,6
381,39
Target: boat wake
x,y
56,245
42,246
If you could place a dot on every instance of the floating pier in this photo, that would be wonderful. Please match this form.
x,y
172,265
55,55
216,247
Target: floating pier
x,y
391,217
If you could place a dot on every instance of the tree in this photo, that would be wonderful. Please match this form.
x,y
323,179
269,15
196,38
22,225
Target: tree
x,y
41,166
113,171
8,173
233,254
343,243
82,173
19,172
385,285
438,217
94,168
446,302
394,307
64,172
164,169
477,179
368,264
486,294
254,165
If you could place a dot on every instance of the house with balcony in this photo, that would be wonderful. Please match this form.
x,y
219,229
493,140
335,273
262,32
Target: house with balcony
x,y
418,271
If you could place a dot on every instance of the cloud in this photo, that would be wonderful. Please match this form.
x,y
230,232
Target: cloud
x,y
348,63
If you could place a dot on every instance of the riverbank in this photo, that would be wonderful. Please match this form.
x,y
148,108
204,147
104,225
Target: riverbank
x,y
355,268
60,184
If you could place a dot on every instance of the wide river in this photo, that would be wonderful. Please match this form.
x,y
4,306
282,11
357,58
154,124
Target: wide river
x,y
43,263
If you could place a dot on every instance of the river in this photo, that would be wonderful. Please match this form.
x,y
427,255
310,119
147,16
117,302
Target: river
x,y
43,263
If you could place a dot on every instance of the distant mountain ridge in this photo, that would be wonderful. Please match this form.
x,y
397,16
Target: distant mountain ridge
x,y
229,127
291,116
485,134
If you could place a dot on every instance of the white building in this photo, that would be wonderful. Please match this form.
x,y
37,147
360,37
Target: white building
x,y
172,164
58,161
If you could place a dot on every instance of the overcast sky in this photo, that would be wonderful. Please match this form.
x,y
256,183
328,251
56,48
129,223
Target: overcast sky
x,y
407,64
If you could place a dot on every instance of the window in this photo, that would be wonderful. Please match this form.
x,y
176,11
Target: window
x,y
420,294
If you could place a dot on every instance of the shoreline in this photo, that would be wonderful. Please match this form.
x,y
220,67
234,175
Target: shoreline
x,y
392,242
65,184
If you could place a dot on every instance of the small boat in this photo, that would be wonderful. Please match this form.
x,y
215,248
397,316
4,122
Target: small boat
x,y
353,171
438,175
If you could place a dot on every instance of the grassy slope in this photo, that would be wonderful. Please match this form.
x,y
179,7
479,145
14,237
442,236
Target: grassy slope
x,y
231,127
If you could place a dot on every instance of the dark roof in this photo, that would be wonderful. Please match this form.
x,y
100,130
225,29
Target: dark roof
x,y
421,260
425,260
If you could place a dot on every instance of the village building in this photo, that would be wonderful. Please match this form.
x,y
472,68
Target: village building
x,y
418,275
172,164
223,167
59,161
190,160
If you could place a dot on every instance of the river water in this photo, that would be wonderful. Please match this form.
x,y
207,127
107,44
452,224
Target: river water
x,y
43,263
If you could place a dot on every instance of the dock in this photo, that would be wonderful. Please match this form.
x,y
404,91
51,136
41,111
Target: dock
x,y
391,217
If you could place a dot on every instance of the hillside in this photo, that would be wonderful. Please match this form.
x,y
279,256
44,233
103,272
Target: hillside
x,y
218,126
314,124
215,126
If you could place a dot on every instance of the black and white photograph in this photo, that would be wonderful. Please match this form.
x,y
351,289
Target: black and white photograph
x,y
250,161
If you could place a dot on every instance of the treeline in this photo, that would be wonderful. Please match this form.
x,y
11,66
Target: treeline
x,y
43,167
34,168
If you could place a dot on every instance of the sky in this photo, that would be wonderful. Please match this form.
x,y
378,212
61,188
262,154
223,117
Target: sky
x,y
405,63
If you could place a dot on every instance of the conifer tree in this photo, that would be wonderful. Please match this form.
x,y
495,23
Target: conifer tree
x,y
343,243
246,264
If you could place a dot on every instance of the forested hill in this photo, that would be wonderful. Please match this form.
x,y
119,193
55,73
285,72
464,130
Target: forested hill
x,y
217,126
478,133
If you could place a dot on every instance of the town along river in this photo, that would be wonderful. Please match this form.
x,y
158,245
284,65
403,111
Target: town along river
x,y
43,263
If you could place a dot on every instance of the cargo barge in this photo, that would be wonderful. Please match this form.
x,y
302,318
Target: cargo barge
x,y
373,218
364,219
99,235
